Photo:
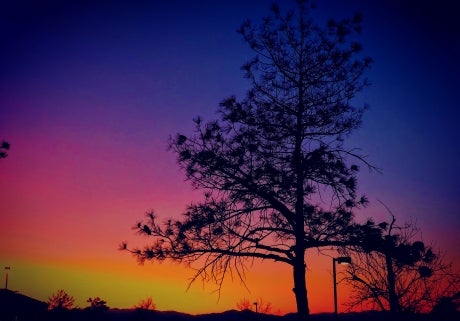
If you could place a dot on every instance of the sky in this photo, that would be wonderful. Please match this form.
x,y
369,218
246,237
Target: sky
x,y
90,91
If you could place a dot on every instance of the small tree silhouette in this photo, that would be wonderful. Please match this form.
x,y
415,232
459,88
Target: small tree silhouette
x,y
243,304
394,271
97,304
96,310
146,304
60,301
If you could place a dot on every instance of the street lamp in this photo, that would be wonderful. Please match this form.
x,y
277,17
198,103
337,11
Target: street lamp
x,y
340,260
6,277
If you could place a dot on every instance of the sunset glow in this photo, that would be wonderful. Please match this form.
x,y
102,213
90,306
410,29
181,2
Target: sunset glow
x,y
90,93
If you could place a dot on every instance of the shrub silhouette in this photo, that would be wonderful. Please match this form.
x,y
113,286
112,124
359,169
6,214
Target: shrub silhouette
x,y
259,305
447,307
60,301
97,304
4,147
146,304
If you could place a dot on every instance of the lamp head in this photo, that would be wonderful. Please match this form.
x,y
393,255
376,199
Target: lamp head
x,y
343,260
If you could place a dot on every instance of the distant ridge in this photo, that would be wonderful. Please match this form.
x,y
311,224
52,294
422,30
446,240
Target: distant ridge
x,y
231,315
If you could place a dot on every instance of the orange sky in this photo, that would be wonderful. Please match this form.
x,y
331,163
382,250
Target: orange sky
x,y
62,238
123,284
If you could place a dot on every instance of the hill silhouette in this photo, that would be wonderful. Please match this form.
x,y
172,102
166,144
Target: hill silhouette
x,y
16,306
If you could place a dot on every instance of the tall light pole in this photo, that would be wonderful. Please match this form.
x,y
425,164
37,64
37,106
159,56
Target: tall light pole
x,y
339,260
6,277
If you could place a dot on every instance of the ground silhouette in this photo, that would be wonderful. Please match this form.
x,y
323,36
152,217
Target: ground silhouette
x,y
16,306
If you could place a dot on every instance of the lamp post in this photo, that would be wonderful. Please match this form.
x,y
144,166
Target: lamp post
x,y
6,277
340,260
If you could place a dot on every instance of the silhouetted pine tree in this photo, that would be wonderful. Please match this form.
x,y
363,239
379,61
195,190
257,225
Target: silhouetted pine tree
x,y
273,167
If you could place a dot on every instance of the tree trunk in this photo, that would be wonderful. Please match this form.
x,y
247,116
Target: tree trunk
x,y
300,287
392,297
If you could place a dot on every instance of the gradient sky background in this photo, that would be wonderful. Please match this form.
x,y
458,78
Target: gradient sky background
x,y
91,90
